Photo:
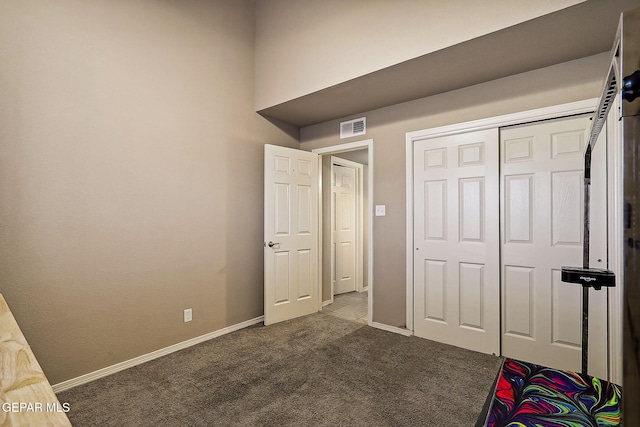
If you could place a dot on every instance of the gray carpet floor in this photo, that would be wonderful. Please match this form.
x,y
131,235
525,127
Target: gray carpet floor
x,y
318,370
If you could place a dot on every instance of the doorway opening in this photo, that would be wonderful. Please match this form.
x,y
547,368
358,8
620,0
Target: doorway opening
x,y
346,243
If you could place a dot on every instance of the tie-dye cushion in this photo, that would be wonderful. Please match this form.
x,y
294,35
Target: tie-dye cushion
x,y
529,395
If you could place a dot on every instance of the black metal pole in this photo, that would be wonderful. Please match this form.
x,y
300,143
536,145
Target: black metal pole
x,y
585,261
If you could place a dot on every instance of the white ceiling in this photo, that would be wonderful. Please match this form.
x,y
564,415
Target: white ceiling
x,y
582,30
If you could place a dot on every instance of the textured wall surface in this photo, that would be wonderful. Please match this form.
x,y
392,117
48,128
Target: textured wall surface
x,y
131,175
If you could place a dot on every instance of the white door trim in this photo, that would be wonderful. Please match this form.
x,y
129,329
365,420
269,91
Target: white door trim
x,y
341,148
572,108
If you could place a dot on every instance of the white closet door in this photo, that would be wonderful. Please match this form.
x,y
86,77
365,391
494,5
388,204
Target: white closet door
x,y
344,222
456,240
542,230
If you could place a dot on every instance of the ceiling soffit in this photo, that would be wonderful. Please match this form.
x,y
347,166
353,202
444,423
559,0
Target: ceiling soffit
x,y
582,30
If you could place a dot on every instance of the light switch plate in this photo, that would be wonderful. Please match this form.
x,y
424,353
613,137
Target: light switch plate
x,y
380,210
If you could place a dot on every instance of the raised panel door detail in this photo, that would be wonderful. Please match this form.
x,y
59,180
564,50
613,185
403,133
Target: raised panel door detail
x,y
566,312
346,254
334,214
334,273
282,212
566,207
435,290
304,168
518,208
518,150
471,154
471,208
304,210
519,301
435,210
304,274
282,165
282,279
471,292
346,181
346,211
436,158
567,144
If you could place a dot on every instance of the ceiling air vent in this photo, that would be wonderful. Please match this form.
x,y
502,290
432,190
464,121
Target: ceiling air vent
x,y
353,127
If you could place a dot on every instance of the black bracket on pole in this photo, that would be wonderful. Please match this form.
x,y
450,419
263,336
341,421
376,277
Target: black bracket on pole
x,y
631,86
595,278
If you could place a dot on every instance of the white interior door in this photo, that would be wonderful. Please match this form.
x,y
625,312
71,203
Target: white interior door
x,y
344,228
456,239
542,230
290,233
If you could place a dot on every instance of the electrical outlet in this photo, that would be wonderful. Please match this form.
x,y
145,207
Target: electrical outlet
x,y
188,315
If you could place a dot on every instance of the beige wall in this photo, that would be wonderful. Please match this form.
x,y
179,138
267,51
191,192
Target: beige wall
x,y
567,82
307,45
131,171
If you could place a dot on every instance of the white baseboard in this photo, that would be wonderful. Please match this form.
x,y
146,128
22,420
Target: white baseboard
x,y
92,376
394,329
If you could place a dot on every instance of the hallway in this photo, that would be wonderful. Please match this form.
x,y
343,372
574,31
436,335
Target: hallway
x,y
350,306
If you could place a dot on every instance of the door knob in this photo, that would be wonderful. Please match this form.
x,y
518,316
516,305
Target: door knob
x,y
272,244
